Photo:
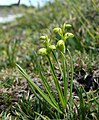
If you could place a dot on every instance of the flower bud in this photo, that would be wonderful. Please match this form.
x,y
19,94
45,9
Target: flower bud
x,y
67,26
61,45
68,35
42,51
52,47
58,30
44,37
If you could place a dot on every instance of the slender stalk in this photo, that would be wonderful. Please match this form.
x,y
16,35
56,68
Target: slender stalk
x,y
47,86
72,74
57,63
64,76
61,97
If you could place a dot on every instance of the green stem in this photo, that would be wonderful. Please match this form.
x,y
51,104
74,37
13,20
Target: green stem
x,y
63,73
72,75
47,86
61,97
57,63
64,76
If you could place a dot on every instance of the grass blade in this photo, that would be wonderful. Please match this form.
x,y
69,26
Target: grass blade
x,y
34,86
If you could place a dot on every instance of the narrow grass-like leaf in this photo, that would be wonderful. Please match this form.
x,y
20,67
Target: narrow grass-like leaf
x,y
82,104
42,94
42,116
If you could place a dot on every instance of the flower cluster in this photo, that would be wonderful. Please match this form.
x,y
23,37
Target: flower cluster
x,y
60,44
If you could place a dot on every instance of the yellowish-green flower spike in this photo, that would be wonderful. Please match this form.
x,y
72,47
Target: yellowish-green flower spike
x,y
68,35
61,45
58,30
67,26
42,51
52,47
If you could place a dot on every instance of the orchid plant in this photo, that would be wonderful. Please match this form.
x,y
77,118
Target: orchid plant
x,y
50,96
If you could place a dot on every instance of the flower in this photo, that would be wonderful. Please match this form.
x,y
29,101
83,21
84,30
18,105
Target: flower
x,y
61,45
58,30
67,26
42,51
52,47
68,35
44,37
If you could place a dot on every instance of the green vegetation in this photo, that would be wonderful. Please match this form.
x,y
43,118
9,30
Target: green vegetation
x,y
49,66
